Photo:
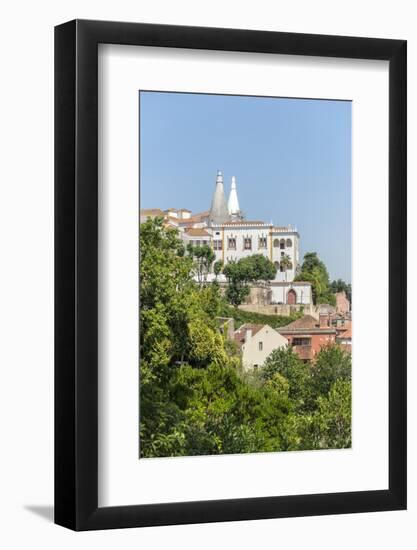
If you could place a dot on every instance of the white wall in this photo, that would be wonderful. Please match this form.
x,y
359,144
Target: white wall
x,y
27,272
279,293
288,251
254,233
270,339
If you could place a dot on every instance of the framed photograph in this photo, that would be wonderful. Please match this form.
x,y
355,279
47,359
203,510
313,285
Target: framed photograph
x,y
230,253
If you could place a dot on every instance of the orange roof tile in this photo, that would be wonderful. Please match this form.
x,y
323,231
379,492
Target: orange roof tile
x,y
306,324
196,232
240,334
308,321
155,212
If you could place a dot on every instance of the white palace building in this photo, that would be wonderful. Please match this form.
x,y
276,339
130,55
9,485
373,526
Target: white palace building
x,y
232,236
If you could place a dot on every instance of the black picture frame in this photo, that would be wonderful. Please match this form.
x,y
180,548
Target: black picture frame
x,y
76,272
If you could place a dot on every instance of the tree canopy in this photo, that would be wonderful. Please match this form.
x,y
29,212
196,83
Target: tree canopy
x,y
203,257
314,271
245,271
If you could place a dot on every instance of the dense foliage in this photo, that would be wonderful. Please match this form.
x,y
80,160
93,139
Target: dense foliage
x,y
315,272
203,257
245,271
194,397
240,316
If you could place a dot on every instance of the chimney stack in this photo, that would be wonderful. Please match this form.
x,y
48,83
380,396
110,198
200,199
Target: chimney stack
x,y
323,320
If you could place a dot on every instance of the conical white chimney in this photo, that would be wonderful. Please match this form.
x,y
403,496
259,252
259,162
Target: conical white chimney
x,y
218,212
233,204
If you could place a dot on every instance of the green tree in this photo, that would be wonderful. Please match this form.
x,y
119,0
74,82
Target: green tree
x,y
206,346
245,271
315,272
286,363
286,264
217,268
226,415
332,363
166,288
176,319
203,257
330,425
237,287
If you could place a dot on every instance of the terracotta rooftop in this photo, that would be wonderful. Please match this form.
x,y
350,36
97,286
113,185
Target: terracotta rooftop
x,y
196,232
240,333
151,212
307,323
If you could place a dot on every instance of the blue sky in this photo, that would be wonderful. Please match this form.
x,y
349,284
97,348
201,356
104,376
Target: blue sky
x,y
291,159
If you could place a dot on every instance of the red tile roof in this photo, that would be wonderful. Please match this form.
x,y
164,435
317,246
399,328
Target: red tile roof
x,y
307,324
196,232
308,321
240,333
153,212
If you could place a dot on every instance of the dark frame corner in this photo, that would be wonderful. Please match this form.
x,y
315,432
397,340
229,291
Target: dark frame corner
x,y
76,234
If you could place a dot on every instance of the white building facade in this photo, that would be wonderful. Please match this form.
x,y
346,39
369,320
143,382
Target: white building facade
x,y
257,342
233,237
234,240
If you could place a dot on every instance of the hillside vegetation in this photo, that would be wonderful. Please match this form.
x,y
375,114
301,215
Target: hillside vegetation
x,y
242,317
194,397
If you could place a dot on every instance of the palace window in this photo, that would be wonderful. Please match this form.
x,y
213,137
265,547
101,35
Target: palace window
x,y
262,242
247,243
260,346
217,244
231,243
276,264
276,243
282,244
289,243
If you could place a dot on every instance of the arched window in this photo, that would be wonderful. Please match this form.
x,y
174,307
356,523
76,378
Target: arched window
x,y
276,264
289,243
291,297
276,243
282,243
